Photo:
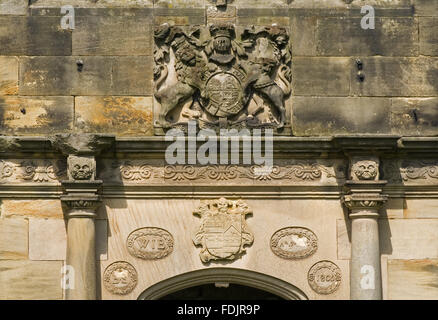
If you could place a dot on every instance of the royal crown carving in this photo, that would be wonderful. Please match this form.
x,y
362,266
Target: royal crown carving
x,y
222,77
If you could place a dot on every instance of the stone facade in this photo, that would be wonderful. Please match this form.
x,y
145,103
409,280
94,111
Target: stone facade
x,y
349,209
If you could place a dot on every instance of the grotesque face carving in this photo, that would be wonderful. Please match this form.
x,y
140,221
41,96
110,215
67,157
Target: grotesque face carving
x,y
81,168
365,169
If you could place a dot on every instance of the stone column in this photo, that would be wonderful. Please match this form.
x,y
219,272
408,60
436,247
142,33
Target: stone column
x,y
81,199
81,253
363,199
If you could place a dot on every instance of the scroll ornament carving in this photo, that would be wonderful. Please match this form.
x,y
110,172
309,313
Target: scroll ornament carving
x,y
324,277
231,79
419,170
294,243
410,170
223,232
44,172
120,278
301,172
6,169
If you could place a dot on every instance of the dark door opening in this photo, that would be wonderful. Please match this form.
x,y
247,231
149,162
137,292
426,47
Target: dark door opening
x,y
212,292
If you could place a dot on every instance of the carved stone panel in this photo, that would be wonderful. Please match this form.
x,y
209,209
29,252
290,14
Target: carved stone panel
x,y
150,243
324,277
294,243
120,278
221,76
223,232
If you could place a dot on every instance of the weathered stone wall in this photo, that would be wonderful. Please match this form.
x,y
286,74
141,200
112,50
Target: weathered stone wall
x,y
42,92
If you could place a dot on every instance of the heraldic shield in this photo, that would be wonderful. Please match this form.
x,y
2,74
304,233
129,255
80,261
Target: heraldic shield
x,y
223,232
225,94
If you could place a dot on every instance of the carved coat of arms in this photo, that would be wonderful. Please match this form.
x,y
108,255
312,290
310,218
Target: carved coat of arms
x,y
220,77
223,232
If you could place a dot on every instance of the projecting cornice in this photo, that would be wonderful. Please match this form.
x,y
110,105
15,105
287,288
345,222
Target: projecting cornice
x,y
10,146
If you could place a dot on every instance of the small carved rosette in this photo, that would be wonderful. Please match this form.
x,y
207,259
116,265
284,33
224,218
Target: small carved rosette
x,y
150,243
324,277
219,76
120,278
294,243
223,232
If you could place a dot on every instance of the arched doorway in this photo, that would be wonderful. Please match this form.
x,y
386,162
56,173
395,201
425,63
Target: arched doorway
x,y
249,282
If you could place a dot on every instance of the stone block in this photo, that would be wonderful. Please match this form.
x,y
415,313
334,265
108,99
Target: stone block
x,y
47,239
8,75
322,116
426,7
303,30
60,75
415,116
264,21
420,209
392,209
429,36
118,115
266,4
343,232
35,115
32,208
13,7
321,76
345,37
409,238
179,16
173,4
109,35
386,76
30,280
412,279
13,239
132,76
93,4
33,36
221,14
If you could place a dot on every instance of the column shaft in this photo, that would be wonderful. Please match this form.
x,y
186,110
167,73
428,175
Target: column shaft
x,y
81,257
365,273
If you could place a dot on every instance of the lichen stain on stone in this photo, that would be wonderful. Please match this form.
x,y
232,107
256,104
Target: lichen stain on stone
x,y
121,115
9,87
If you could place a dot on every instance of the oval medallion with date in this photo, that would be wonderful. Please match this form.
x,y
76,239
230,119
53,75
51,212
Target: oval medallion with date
x,y
150,243
324,277
294,243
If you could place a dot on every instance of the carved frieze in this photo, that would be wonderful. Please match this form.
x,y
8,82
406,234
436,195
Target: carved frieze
x,y
120,278
35,170
294,243
303,171
150,243
324,277
411,171
222,77
223,232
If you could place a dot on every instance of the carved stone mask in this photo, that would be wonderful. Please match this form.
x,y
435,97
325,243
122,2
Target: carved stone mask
x,y
365,170
81,168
